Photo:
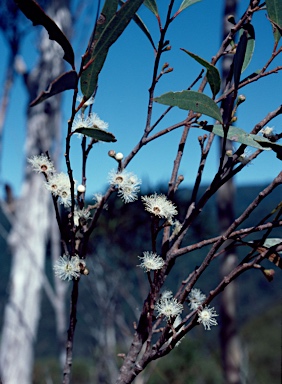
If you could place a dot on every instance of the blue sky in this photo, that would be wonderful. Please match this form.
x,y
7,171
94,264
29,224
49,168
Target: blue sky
x,y
123,96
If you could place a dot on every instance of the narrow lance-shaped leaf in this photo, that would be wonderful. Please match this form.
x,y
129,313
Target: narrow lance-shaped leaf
x,y
108,11
239,58
97,134
142,26
67,80
191,100
237,135
274,10
152,5
213,76
110,34
38,17
250,46
186,3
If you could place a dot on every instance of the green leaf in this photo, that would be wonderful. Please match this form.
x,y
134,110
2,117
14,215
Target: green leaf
x,y
186,4
272,241
213,76
67,80
142,26
152,5
239,58
110,34
274,10
250,46
236,134
38,17
191,100
97,134
264,142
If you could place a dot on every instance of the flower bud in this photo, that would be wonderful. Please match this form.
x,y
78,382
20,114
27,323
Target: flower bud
x,y
119,156
81,188
165,66
112,153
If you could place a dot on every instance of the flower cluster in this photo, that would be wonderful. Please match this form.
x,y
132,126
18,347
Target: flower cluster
x,y
168,307
150,261
59,185
127,183
67,268
159,206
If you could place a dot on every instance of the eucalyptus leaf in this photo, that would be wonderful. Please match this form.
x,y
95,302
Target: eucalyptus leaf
x,y
264,142
95,60
271,242
274,10
250,46
97,134
186,3
191,100
67,80
213,76
36,14
237,135
239,58
152,5
137,19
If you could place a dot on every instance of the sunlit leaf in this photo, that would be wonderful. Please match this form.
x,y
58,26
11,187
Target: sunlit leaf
x,y
97,134
38,17
186,4
64,82
239,58
213,76
274,10
110,34
191,100
152,5
250,46
237,135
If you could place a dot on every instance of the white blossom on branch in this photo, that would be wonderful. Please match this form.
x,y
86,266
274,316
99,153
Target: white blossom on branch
x,y
42,164
206,317
196,298
68,268
168,307
159,206
150,261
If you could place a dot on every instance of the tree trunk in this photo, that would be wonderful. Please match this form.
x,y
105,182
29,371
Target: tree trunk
x,y
31,230
230,344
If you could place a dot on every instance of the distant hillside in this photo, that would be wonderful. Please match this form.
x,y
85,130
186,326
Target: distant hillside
x,y
123,234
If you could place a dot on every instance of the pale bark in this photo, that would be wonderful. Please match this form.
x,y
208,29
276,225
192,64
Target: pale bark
x,y
230,343
31,230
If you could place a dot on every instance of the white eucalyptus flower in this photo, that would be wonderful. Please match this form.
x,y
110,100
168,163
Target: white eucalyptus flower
x,y
196,298
159,206
150,261
206,317
168,307
67,268
41,164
